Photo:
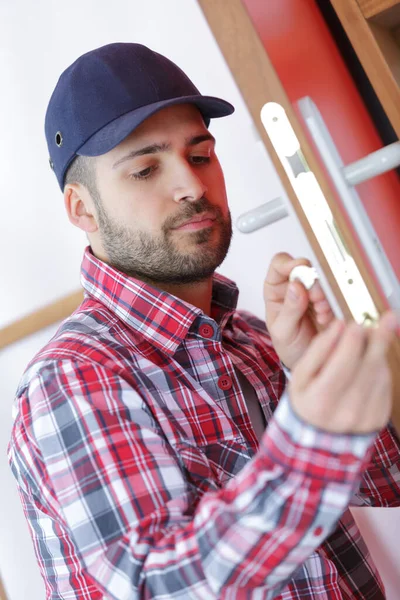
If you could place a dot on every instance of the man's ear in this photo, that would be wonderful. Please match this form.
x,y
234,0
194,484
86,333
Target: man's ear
x,y
80,207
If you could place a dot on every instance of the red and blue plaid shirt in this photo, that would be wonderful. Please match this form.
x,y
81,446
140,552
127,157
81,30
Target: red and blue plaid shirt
x,y
140,473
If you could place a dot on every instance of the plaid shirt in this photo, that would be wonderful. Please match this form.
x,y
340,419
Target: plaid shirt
x,y
140,473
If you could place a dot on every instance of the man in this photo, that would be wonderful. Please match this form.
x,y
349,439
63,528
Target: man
x,y
140,445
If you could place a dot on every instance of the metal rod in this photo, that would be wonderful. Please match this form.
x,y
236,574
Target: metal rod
x,y
374,164
263,215
351,201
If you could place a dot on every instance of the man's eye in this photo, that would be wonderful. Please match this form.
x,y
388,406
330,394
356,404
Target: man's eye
x,y
198,160
145,174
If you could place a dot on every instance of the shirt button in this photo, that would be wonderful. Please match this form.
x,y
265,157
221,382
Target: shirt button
x,y
318,531
224,383
206,331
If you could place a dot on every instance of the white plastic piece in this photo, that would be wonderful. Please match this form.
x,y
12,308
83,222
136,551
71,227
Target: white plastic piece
x,y
279,128
306,275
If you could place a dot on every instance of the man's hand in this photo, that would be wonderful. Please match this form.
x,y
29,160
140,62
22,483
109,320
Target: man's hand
x,y
342,384
293,314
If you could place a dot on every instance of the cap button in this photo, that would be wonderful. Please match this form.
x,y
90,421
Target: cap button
x,y
59,139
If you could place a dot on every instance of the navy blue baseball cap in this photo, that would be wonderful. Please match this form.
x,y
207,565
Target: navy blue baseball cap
x,y
106,93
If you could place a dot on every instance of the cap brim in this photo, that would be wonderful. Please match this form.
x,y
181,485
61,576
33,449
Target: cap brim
x,y
117,130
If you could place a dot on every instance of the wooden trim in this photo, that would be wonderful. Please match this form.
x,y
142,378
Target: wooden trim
x,y
44,317
259,83
386,40
372,8
371,57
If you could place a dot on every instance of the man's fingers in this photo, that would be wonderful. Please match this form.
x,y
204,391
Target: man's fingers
x,y
294,307
343,381
375,402
345,360
374,378
379,342
317,294
324,319
322,307
281,266
359,352
389,324
317,354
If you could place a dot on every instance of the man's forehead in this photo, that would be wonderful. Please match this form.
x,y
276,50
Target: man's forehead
x,y
163,131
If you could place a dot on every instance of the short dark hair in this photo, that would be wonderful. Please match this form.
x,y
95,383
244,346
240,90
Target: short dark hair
x,y
82,171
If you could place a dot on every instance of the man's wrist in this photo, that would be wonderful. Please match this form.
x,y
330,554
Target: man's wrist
x,y
321,453
286,370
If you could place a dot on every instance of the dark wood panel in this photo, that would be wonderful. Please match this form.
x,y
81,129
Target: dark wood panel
x,y
372,8
379,68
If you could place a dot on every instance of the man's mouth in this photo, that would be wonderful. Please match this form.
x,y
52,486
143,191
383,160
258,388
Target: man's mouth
x,y
197,222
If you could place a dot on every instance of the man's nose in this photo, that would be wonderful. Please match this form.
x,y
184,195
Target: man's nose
x,y
190,186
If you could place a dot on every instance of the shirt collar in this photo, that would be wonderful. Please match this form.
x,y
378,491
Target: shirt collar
x,y
160,317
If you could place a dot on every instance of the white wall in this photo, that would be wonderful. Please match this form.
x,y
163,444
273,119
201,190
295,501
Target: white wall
x,y
41,252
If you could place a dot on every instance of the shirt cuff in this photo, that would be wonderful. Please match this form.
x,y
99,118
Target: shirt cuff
x,y
300,446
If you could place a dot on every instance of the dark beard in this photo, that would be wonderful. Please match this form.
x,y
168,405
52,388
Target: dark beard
x,y
156,259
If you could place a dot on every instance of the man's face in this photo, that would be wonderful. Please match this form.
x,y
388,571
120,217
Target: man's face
x,y
144,198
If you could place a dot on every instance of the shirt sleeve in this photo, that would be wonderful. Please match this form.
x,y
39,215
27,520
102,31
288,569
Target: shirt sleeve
x,y
380,483
106,470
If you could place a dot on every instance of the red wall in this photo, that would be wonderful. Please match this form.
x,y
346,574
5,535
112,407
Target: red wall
x,y
308,63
